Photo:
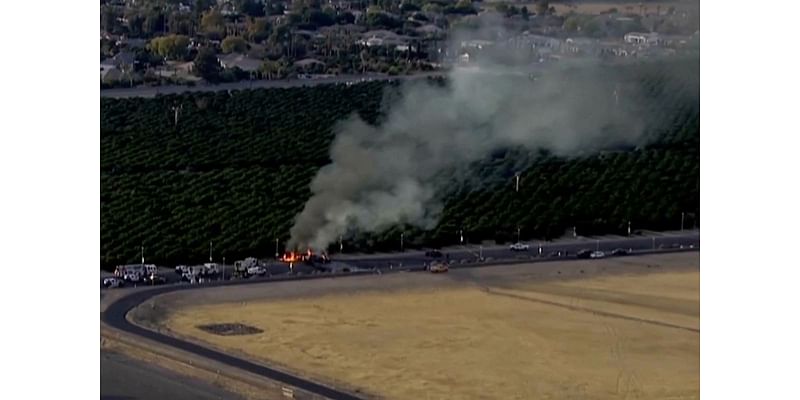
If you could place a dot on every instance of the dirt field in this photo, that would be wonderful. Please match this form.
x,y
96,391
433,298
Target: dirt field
x,y
613,329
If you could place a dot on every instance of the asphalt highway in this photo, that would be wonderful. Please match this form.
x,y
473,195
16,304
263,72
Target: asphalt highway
x,y
568,249
115,313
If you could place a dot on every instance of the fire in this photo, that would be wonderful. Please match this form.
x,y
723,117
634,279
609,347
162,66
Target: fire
x,y
293,257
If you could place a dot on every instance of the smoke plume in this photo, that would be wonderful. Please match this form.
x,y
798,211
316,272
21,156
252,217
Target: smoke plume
x,y
383,175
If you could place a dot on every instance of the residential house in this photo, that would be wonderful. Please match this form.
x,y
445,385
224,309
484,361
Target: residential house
x,y
241,61
109,73
648,39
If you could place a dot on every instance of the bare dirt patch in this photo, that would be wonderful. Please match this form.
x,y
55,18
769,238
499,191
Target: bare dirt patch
x,y
230,329
616,330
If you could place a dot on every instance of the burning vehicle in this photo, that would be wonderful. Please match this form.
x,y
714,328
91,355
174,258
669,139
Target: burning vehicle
x,y
317,261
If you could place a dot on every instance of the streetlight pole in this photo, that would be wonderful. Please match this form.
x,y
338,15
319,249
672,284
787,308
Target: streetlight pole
x,y
277,255
211,251
629,227
461,236
517,185
683,214
401,242
341,245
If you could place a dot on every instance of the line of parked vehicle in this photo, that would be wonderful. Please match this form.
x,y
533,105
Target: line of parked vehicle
x,y
148,274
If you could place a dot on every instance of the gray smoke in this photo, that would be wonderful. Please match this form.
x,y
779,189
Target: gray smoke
x,y
389,174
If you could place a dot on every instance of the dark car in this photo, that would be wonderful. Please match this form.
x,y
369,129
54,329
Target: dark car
x,y
555,254
433,254
619,252
154,280
585,253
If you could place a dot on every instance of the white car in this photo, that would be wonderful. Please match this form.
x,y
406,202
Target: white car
x,y
132,277
256,270
519,247
597,254
112,282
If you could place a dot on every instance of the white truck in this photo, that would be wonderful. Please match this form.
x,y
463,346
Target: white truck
x,y
250,266
131,272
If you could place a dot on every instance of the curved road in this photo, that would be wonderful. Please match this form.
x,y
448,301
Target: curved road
x,y
115,313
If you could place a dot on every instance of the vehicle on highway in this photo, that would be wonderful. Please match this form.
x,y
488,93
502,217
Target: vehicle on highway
x,y
433,254
113,282
154,279
519,247
248,267
437,267
193,273
150,269
132,277
584,253
597,254
619,252
129,270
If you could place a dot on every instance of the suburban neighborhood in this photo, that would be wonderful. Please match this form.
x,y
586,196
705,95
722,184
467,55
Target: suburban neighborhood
x,y
158,42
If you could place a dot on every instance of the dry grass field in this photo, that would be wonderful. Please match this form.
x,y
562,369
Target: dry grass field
x,y
487,333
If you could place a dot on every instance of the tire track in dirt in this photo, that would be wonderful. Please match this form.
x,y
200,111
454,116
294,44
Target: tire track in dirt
x,y
591,311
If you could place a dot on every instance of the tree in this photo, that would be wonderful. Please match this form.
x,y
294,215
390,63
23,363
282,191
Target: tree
x,y
173,47
432,8
524,13
212,24
258,29
234,44
207,66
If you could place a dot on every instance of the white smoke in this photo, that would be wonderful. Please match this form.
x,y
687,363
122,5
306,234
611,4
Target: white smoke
x,y
383,175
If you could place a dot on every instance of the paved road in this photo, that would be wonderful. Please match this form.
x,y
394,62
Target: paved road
x,y
122,378
145,91
115,314
567,248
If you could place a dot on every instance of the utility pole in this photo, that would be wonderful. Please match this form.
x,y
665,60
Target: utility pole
x,y
177,111
277,255
341,246
683,214
461,236
517,178
142,255
401,242
211,251
629,227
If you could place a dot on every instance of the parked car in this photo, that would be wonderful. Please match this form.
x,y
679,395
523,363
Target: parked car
x,y
519,247
555,254
132,277
597,254
619,252
256,270
154,279
437,267
112,282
